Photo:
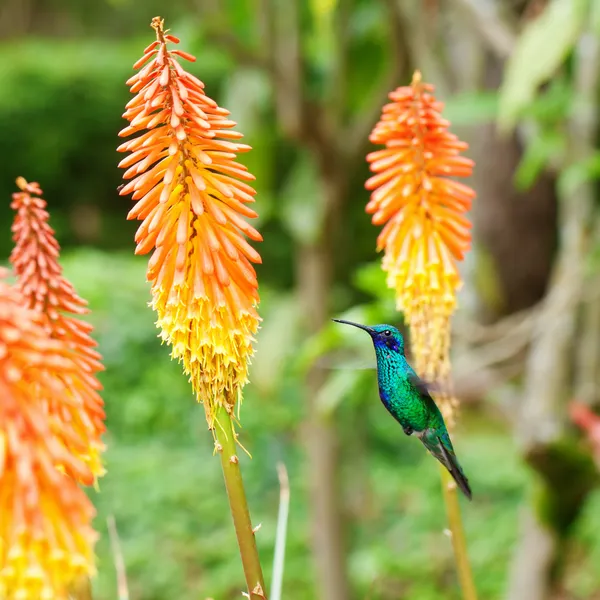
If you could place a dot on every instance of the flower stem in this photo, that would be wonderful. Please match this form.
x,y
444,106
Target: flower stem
x,y
82,589
282,519
238,504
459,543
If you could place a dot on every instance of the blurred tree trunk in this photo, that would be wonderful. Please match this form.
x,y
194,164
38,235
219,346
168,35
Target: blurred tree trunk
x,y
515,231
16,17
516,244
565,473
314,276
311,126
336,146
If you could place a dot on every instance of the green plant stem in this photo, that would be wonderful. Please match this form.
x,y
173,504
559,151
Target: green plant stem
x,y
282,519
239,505
461,557
82,589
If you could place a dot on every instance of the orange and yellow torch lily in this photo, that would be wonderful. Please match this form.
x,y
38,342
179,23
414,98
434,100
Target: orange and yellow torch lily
x,y
192,198
46,291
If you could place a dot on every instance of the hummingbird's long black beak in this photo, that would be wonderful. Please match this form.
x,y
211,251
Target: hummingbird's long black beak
x,y
369,330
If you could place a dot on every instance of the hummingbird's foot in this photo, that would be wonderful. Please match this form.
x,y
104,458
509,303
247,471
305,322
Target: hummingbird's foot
x,y
408,430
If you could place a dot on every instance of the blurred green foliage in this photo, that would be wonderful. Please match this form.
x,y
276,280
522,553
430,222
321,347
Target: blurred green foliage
x,y
537,91
60,108
540,50
60,112
165,488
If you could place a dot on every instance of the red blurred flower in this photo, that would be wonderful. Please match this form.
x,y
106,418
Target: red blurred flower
x,y
589,422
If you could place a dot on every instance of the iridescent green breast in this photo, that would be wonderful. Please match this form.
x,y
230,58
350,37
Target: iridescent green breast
x,y
398,394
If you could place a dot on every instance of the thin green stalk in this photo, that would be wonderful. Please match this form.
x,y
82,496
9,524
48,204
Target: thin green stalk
x,y
115,545
282,519
82,589
461,556
239,506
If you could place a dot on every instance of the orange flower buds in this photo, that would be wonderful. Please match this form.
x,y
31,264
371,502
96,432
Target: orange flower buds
x,y
425,230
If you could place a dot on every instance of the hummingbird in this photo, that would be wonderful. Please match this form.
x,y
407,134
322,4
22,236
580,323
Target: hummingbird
x,y
406,397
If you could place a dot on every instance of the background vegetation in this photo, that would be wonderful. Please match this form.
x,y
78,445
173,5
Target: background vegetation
x,y
306,81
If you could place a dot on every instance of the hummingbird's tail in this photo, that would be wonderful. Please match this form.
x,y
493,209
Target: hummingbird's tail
x,y
443,451
451,463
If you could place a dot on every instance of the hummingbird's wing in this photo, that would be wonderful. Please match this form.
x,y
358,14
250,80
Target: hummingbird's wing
x,y
421,386
425,388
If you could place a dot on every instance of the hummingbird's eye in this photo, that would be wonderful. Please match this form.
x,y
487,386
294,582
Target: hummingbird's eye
x,y
387,333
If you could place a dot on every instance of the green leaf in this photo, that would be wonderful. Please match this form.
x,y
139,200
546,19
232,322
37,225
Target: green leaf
x,y
340,385
319,43
577,173
541,49
371,278
595,18
554,103
471,108
302,209
592,260
329,338
272,348
245,94
539,152
323,9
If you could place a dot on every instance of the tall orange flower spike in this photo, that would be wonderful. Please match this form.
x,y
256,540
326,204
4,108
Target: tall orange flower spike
x,y
191,197
425,230
46,539
40,281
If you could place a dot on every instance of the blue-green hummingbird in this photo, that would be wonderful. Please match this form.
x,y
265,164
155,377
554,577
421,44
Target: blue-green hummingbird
x,y
408,400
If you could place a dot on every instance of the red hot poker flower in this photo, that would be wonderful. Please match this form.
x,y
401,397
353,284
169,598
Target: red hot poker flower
x,y
40,280
192,198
